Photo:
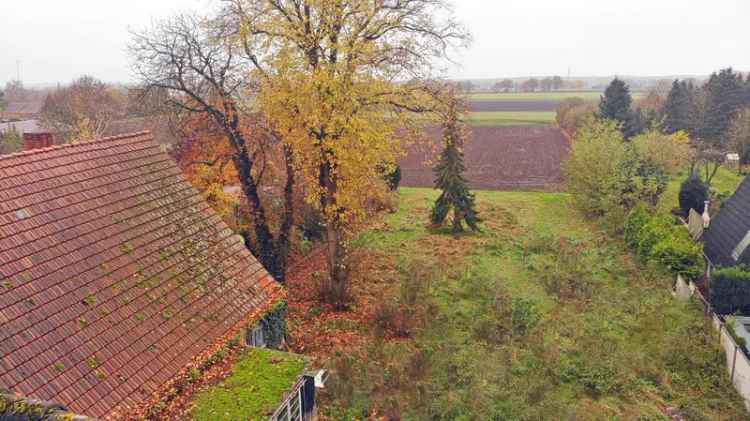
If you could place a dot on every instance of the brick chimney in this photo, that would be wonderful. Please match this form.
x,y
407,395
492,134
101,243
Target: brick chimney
x,y
33,141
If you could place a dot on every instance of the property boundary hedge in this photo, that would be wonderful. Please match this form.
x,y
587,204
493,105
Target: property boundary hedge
x,y
655,238
730,290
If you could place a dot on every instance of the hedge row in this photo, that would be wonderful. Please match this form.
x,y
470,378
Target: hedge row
x,y
730,290
655,238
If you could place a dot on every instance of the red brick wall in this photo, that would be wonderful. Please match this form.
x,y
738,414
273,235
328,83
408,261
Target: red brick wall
x,y
33,141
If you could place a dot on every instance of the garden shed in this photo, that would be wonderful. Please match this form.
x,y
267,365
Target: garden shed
x,y
119,285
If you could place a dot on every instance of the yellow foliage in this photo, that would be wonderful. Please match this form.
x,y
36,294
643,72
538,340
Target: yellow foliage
x,y
671,152
210,183
337,103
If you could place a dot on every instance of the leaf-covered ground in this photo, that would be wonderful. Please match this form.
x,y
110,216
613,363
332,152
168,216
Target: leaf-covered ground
x,y
540,316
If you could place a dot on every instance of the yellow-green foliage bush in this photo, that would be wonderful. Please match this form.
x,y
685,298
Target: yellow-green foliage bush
x,y
658,239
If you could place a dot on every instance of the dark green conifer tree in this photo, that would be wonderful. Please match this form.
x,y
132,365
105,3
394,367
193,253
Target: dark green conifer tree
x,y
449,171
615,105
725,95
677,108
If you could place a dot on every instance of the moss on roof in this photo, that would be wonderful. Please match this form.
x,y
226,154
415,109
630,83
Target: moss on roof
x,y
14,407
253,390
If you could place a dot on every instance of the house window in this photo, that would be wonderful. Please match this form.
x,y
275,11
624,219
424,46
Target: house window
x,y
741,247
255,336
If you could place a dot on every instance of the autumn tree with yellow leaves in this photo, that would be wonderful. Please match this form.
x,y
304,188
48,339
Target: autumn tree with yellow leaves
x,y
337,78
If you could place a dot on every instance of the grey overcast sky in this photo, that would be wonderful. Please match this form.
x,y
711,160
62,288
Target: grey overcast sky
x,y
58,40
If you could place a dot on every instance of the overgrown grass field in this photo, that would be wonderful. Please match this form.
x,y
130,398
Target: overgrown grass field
x,y
541,316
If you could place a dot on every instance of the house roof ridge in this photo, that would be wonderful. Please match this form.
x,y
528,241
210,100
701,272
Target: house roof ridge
x,y
82,143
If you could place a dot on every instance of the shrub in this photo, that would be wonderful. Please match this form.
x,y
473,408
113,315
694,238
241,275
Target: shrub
x,y
608,177
593,168
693,194
653,232
668,152
573,113
657,239
730,290
638,217
393,178
679,254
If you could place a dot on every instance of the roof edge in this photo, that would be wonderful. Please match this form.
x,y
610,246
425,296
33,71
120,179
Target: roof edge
x,y
176,390
20,407
76,144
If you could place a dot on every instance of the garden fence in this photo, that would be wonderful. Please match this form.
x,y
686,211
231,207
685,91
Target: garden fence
x,y
738,365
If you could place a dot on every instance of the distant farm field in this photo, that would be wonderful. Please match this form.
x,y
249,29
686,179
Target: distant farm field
x,y
527,101
505,118
497,158
534,96
513,105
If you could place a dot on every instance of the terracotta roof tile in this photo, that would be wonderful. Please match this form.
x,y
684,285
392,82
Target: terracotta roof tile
x,y
114,273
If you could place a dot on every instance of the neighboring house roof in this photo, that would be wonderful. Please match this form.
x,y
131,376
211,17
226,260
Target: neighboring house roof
x,y
23,126
31,107
728,237
115,275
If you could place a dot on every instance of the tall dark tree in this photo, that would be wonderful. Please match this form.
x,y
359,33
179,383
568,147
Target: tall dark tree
x,y
201,72
615,105
725,94
449,176
677,109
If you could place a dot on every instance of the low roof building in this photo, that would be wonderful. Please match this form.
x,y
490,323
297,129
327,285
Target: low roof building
x,y
117,280
727,239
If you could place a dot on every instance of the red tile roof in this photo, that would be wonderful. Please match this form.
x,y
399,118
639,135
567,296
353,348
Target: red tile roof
x,y
114,274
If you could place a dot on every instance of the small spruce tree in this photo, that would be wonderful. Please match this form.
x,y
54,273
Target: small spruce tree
x,y
449,177
693,194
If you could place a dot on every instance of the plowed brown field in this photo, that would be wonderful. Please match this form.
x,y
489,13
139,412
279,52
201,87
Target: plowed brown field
x,y
496,158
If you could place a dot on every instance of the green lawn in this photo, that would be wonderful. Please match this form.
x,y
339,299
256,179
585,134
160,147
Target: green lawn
x,y
541,316
504,118
725,183
254,389
539,96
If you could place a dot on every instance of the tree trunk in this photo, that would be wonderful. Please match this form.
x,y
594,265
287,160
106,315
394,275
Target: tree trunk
x,y
282,241
336,292
266,249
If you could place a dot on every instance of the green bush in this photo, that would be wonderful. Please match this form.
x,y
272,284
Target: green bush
x,y
730,290
652,233
657,239
693,194
638,217
679,254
